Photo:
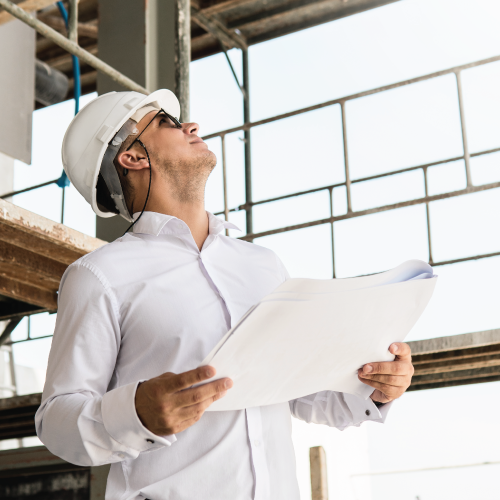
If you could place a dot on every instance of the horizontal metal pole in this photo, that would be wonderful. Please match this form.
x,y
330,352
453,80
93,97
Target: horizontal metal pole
x,y
385,208
466,259
25,190
12,342
455,69
71,47
361,179
424,469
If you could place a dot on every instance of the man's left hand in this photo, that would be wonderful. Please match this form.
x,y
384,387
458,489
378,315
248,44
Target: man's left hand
x,y
390,379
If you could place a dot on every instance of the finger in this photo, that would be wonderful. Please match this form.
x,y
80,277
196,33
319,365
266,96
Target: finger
x,y
380,397
182,426
389,390
394,380
196,395
187,379
192,411
401,350
388,368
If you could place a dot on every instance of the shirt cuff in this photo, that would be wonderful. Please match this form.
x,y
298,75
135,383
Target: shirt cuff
x,y
120,420
364,410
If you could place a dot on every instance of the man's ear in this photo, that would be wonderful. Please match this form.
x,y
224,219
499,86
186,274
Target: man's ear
x,y
132,160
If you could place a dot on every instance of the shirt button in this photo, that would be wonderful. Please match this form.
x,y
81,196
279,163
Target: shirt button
x,y
150,441
256,442
368,412
121,455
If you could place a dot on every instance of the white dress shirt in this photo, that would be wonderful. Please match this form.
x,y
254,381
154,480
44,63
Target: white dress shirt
x,y
149,303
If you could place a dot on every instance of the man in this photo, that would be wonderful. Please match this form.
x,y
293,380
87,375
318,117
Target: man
x,y
137,317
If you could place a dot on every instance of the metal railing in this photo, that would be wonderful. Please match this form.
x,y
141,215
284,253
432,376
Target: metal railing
x,y
348,182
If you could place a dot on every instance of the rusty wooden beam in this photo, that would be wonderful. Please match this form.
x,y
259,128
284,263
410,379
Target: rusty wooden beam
x,y
28,293
27,260
28,224
456,360
28,6
17,272
17,416
84,29
34,253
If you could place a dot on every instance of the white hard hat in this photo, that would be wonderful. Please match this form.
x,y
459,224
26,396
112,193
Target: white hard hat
x,y
93,129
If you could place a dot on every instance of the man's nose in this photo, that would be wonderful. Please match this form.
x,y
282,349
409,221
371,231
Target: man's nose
x,y
190,128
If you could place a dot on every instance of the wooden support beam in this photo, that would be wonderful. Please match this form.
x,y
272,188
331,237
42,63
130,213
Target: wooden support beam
x,y
20,259
229,38
456,360
28,293
16,272
32,229
84,29
28,6
16,416
319,481
34,253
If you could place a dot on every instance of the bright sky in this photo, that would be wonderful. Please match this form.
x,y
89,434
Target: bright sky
x,y
389,131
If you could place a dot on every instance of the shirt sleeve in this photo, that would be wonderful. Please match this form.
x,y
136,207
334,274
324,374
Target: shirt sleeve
x,y
79,420
337,409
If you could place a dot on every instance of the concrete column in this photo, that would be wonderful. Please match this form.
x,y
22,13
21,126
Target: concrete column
x,y
149,41
17,89
6,174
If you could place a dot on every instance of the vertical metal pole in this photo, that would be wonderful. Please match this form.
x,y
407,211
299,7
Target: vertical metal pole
x,y
429,240
346,158
63,198
319,483
464,130
183,55
73,21
331,231
224,179
248,149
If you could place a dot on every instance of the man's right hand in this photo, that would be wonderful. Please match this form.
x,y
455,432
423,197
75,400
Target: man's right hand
x,y
166,406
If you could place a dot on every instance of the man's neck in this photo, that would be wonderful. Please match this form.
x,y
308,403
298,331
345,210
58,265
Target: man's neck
x,y
193,214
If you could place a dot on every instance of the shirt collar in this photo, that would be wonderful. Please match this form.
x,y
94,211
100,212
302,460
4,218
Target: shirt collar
x,y
156,224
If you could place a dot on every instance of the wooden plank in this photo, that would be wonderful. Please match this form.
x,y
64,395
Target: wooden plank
x,y
28,6
22,239
453,383
455,355
27,293
21,275
319,482
40,228
464,341
84,29
18,402
20,260
463,364
459,375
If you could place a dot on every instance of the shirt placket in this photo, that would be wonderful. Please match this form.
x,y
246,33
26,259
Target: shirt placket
x,y
259,460
253,418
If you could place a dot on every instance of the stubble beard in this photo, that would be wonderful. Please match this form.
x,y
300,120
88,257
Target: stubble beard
x,y
187,178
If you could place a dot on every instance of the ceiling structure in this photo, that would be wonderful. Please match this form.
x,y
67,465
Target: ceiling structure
x,y
235,23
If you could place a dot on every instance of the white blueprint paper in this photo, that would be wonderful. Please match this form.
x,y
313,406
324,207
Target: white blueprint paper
x,y
313,335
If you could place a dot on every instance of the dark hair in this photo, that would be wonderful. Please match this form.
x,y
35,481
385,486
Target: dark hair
x,y
103,197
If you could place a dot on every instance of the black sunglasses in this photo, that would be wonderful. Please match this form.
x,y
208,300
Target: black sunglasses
x,y
174,120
